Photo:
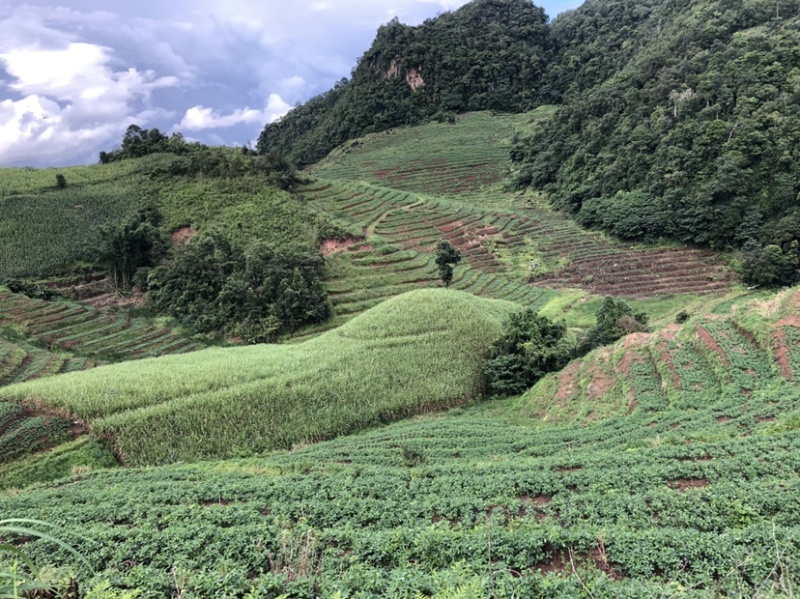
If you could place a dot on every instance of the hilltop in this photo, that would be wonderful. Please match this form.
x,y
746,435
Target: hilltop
x,y
487,55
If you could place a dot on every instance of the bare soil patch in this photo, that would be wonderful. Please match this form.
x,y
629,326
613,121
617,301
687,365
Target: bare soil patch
x,y
567,382
602,381
685,484
134,299
183,235
334,246
708,340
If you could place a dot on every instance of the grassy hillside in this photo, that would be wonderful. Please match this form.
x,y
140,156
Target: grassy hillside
x,y
45,230
420,351
401,191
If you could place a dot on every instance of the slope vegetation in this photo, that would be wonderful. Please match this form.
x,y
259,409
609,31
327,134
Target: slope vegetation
x,y
695,503
508,240
416,352
490,54
730,356
680,119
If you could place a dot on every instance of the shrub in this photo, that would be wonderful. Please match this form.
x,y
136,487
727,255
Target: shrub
x,y
531,346
446,258
615,319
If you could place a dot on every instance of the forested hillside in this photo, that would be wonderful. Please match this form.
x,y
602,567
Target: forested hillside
x,y
491,54
676,119
679,119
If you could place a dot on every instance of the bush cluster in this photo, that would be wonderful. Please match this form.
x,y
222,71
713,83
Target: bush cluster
x,y
254,292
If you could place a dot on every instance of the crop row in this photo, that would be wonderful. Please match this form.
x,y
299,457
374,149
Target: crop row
x,y
638,505
87,330
20,361
677,367
22,433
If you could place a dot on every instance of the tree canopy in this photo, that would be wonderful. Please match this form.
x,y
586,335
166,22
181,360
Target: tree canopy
x,y
680,119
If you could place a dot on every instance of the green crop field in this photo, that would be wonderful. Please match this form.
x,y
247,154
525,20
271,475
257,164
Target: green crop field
x,y
44,230
411,187
716,355
698,503
420,351
23,433
362,454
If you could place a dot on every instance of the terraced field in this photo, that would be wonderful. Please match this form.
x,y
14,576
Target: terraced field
x,y
400,230
701,504
713,355
23,432
413,187
21,361
76,336
425,159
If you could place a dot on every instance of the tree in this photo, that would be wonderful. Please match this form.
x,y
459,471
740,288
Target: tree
x,y
254,293
615,319
531,346
61,181
125,247
446,258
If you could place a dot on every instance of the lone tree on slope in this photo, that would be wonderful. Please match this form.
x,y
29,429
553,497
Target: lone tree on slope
x,y
446,258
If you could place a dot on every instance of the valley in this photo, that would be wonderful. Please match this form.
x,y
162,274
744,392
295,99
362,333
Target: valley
x,y
243,373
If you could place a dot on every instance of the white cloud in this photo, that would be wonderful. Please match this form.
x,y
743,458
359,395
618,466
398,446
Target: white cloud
x,y
199,118
70,100
276,108
320,6
35,130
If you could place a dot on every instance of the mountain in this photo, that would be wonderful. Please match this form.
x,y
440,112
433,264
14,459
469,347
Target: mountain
x,y
490,54
679,119
676,119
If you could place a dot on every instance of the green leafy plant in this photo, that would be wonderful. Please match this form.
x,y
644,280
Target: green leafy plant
x,y
615,319
531,346
22,576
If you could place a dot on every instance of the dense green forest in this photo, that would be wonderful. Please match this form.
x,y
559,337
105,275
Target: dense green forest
x,y
679,119
490,54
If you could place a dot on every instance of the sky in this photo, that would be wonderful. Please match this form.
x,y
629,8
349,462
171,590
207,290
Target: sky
x,y
75,73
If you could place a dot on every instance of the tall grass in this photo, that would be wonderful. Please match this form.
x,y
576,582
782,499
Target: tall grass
x,y
417,351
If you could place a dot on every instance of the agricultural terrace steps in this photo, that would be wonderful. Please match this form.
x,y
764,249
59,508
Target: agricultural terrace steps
x,y
489,238
753,347
451,173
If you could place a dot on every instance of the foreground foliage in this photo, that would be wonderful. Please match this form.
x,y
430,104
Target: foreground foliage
x,y
22,578
657,503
